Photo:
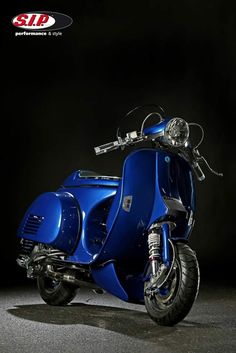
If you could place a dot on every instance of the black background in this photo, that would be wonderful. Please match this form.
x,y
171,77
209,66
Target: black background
x,y
64,95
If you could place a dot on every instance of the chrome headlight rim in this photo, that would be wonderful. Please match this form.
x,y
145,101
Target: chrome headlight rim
x,y
176,133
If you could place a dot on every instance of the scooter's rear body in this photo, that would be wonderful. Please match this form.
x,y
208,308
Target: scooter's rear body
x,y
70,217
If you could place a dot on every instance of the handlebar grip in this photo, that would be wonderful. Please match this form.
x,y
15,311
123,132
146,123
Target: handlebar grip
x,y
107,147
198,171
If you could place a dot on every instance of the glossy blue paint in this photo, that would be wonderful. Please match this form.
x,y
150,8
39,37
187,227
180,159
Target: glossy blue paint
x,y
89,198
165,247
126,229
176,182
114,207
157,128
103,222
133,286
106,277
52,219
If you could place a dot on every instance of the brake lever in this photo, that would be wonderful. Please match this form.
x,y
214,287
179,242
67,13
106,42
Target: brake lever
x,y
219,174
200,158
131,138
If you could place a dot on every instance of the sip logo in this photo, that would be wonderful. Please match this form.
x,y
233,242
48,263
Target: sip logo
x,y
42,21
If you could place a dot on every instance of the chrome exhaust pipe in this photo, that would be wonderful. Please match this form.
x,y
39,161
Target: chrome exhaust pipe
x,y
64,277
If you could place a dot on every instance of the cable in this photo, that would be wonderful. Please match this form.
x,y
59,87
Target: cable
x,y
148,116
212,170
137,108
143,106
203,134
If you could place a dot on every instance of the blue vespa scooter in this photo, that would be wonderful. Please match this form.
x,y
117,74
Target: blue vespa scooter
x,y
127,236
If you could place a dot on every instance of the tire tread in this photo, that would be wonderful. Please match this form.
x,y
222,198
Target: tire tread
x,y
187,291
61,296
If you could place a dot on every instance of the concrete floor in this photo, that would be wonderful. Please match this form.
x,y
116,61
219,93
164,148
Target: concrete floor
x,y
102,323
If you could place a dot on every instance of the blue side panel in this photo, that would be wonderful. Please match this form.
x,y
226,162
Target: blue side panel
x,y
106,278
90,198
114,208
52,219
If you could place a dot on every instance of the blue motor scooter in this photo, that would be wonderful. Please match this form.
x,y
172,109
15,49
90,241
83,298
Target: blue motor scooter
x,y
127,236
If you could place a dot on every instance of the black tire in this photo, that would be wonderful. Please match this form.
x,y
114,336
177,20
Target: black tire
x,y
176,297
55,293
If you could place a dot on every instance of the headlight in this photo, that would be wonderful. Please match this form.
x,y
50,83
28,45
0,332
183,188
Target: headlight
x,y
176,132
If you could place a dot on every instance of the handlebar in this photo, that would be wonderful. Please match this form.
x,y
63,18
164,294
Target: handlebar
x,y
192,155
107,147
198,171
130,138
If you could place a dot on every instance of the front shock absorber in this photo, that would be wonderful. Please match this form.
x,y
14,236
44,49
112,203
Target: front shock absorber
x,y
154,245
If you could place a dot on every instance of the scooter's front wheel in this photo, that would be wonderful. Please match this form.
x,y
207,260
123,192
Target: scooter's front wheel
x,y
172,302
55,292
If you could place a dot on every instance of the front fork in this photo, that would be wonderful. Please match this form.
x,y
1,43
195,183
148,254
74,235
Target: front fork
x,y
159,244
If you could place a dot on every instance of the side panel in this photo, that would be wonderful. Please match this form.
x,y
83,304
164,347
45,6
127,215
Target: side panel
x,y
52,219
93,200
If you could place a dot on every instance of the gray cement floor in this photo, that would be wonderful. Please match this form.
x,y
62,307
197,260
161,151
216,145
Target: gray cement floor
x,y
101,323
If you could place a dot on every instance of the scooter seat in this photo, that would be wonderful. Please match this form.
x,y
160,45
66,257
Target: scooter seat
x,y
89,174
81,178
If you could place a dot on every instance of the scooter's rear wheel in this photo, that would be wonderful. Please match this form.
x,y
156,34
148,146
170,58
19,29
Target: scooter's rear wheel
x,y
55,292
172,302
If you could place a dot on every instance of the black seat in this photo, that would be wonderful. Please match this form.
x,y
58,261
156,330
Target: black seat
x,y
89,174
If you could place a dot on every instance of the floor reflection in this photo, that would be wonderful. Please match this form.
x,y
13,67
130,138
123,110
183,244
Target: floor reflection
x,y
124,321
129,322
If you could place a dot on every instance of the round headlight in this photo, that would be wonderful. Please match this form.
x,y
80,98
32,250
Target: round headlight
x,y
176,132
